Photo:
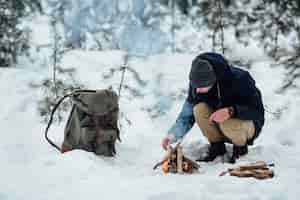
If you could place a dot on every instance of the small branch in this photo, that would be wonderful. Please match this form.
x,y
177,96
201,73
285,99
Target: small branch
x,y
126,58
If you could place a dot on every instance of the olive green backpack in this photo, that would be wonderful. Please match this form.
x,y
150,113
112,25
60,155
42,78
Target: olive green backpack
x,y
92,124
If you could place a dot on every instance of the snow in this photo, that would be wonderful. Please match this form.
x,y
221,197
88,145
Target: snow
x,y
138,40
32,169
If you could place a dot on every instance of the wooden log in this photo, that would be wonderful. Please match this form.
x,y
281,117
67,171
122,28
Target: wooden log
x,y
263,173
179,160
256,165
166,158
166,166
239,173
193,163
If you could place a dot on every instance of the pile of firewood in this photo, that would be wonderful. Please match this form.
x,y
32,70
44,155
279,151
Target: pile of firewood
x,y
258,170
176,162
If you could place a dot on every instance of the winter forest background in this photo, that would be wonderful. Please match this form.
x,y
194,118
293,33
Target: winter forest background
x,y
143,28
49,47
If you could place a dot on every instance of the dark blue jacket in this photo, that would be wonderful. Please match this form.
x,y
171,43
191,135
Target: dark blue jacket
x,y
237,89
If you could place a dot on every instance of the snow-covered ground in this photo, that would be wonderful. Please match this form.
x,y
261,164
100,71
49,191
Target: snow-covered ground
x,y
32,169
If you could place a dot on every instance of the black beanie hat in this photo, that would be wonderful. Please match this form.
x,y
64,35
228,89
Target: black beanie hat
x,y
202,74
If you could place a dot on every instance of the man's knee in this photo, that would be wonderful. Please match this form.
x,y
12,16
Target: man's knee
x,y
238,131
202,111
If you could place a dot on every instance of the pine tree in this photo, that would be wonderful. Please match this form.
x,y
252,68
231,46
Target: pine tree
x,y
216,16
279,25
13,40
62,80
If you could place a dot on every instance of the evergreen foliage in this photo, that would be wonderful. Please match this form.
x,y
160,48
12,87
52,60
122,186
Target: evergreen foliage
x,y
13,39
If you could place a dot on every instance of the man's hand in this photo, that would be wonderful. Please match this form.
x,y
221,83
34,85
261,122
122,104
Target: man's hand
x,y
221,115
167,141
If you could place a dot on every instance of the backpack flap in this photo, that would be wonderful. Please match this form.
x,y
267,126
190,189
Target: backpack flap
x,y
97,103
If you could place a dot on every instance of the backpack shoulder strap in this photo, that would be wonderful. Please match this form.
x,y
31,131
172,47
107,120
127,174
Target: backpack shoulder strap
x,y
51,120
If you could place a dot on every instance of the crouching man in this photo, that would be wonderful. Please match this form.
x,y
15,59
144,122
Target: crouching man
x,y
224,102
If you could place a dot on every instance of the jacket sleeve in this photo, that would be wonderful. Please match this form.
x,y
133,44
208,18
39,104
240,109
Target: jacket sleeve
x,y
250,103
184,122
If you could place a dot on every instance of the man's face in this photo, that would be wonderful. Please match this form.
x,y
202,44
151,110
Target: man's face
x,y
203,90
